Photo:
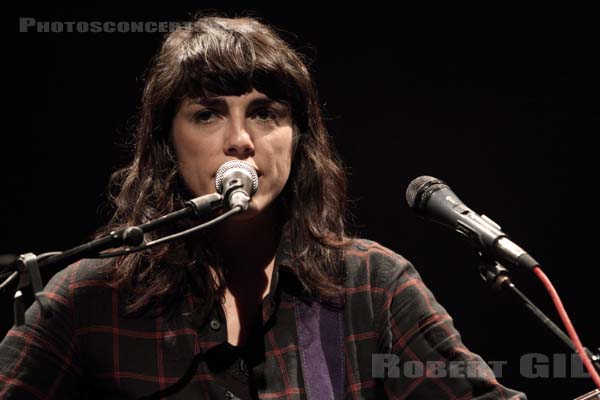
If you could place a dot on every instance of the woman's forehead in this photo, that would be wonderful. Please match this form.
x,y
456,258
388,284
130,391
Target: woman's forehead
x,y
254,96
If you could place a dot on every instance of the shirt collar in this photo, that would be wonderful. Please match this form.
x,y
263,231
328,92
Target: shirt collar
x,y
283,280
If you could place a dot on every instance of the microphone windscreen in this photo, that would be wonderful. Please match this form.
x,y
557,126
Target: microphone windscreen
x,y
419,190
240,166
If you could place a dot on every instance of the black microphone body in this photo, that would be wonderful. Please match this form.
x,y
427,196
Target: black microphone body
x,y
434,200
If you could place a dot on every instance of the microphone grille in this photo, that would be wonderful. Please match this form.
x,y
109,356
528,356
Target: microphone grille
x,y
236,164
420,189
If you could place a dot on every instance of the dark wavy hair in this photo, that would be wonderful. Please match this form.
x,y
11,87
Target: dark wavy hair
x,y
221,56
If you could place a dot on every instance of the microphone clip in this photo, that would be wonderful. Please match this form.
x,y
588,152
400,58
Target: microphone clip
x,y
492,272
234,194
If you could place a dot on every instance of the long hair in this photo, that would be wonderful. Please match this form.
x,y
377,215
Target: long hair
x,y
215,55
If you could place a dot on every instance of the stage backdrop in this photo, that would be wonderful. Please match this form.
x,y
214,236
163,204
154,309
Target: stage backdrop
x,y
501,103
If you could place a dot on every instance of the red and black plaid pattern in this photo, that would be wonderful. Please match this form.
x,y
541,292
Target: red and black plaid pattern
x,y
88,349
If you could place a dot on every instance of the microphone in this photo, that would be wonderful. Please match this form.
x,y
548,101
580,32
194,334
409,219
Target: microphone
x,y
237,181
432,199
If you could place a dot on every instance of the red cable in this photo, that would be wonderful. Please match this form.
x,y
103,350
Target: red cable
x,y
567,322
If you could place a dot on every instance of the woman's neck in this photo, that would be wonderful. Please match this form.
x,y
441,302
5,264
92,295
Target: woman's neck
x,y
248,246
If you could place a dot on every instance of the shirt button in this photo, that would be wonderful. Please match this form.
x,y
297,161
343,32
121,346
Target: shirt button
x,y
229,395
215,325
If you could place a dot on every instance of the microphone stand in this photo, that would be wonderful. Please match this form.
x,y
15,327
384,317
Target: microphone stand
x,y
27,266
497,277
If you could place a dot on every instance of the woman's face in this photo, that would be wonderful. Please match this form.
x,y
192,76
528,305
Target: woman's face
x,y
252,127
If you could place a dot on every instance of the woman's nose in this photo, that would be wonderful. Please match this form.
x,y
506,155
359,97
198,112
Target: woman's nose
x,y
238,142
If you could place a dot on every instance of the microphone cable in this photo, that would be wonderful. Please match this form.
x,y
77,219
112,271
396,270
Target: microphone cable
x,y
169,238
567,323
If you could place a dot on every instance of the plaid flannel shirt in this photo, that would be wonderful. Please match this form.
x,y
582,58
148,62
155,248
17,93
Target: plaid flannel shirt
x,y
88,349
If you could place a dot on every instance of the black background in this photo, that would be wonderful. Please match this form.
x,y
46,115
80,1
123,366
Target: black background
x,y
499,102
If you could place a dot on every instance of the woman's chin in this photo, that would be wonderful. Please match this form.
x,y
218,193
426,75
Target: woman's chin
x,y
255,209
248,214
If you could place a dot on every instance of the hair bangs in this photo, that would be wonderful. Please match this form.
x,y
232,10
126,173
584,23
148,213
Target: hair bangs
x,y
234,66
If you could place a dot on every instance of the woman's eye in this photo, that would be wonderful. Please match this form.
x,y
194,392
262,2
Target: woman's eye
x,y
266,114
204,115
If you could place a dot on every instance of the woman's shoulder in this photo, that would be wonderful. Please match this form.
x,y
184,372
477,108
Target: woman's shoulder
x,y
369,262
81,276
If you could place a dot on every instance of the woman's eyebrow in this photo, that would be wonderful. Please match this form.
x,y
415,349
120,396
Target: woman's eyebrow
x,y
209,101
266,102
262,102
